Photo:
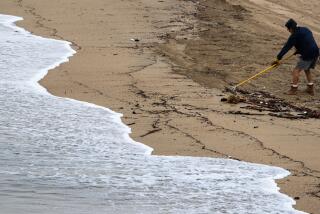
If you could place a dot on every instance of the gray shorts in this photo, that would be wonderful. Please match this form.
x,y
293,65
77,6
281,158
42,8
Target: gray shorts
x,y
306,65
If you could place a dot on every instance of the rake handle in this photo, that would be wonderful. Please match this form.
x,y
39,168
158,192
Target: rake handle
x,y
265,70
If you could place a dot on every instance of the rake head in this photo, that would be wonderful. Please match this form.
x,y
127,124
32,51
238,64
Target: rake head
x,y
231,89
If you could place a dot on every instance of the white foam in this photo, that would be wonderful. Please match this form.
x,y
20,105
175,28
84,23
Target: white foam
x,y
59,155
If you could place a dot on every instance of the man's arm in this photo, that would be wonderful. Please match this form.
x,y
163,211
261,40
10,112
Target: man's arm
x,y
290,43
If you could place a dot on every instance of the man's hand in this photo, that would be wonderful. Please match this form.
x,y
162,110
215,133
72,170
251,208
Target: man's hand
x,y
276,62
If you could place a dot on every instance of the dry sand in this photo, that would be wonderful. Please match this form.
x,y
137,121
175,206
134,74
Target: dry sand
x,y
168,84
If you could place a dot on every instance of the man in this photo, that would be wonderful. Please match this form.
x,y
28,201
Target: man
x,y
302,39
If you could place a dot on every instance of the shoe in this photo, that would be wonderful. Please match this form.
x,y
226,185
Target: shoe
x,y
310,90
292,91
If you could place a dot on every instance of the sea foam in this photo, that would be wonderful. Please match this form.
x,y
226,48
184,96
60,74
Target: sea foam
x,y
59,155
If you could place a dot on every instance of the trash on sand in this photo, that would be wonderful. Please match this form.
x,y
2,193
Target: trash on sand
x,y
135,40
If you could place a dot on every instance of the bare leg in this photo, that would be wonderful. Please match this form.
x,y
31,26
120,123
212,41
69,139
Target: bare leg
x,y
295,80
310,88
309,76
295,77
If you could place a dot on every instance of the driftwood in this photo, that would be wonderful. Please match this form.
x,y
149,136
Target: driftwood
x,y
245,113
289,116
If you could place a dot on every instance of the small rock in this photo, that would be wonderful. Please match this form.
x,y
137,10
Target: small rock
x,y
224,99
296,198
255,127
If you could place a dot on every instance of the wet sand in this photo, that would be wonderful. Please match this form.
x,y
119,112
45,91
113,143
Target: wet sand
x,y
168,84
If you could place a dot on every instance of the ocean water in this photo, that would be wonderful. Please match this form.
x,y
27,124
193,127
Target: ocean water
x,y
61,156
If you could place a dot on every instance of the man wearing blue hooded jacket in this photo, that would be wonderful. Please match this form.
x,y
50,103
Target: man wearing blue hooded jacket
x,y
302,39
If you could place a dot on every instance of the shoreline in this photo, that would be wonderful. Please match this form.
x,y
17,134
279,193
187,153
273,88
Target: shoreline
x,y
62,141
174,113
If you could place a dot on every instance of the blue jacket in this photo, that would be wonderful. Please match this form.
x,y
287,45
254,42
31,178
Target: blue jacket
x,y
302,39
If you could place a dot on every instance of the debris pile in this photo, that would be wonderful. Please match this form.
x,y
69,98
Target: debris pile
x,y
269,104
233,99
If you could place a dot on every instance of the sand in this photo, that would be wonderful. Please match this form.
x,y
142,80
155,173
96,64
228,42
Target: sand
x,y
168,84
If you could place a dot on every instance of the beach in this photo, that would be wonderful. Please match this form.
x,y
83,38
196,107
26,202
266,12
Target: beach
x,y
163,65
